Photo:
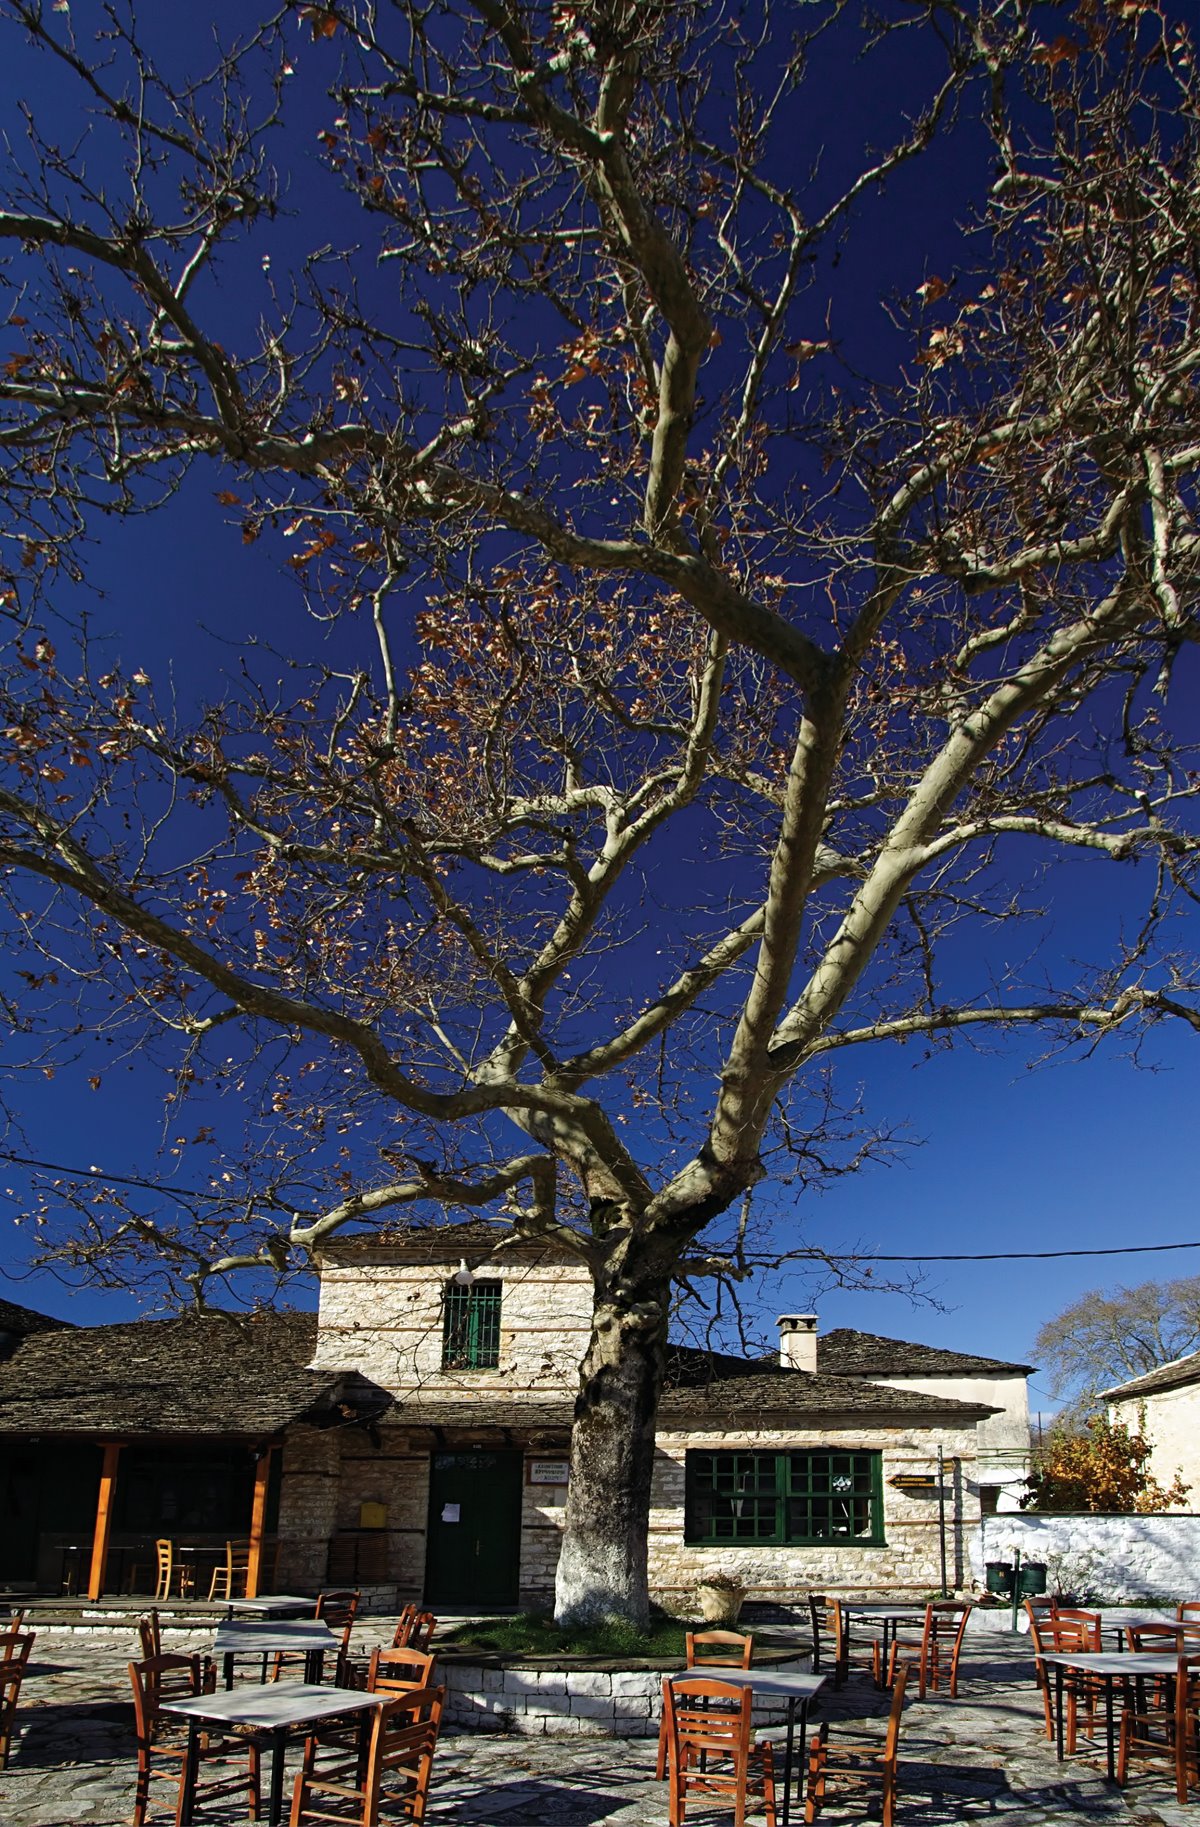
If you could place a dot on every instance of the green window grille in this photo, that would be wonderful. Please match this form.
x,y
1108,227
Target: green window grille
x,y
471,1326
789,1498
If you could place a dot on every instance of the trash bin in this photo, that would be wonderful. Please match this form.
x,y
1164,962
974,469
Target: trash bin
x,y
1033,1579
1000,1578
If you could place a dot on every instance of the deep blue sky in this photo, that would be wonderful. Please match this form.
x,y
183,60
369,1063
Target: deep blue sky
x,y
1081,1154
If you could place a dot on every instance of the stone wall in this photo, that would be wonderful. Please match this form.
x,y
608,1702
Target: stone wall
x,y
1115,1558
384,1319
622,1703
908,1562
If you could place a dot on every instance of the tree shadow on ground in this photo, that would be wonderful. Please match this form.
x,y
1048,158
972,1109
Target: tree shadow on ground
x,y
80,1732
550,1803
945,1792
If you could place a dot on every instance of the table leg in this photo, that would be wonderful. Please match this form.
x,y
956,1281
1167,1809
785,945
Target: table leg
x,y
187,1780
1058,1709
229,1671
789,1745
1108,1727
275,1801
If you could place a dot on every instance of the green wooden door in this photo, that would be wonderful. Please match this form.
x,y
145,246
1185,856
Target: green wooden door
x,y
473,1550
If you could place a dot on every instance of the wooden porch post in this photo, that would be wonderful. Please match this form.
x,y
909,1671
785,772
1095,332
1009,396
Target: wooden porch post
x,y
104,1508
258,1517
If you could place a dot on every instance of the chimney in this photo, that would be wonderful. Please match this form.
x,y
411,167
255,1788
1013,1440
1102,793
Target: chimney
x,y
798,1341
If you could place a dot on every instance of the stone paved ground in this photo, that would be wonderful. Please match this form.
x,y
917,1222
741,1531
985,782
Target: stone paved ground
x,y
982,1758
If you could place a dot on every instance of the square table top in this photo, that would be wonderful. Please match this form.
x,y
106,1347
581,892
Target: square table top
x,y
763,1681
1129,1662
274,1603
278,1704
236,1636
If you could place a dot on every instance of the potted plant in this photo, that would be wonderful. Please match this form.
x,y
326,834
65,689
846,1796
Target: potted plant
x,y
720,1598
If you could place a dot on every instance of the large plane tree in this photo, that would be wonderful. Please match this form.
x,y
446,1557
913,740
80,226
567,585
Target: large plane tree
x,y
712,689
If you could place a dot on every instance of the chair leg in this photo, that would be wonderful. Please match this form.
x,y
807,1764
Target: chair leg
x,y
660,1768
889,1797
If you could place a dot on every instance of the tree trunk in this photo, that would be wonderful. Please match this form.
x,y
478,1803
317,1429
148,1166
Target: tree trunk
x,y
602,1569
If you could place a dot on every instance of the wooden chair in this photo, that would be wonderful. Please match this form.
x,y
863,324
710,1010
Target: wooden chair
x,y
827,1631
162,1742
414,1631
231,1577
1162,1720
711,1749
853,1765
1037,1618
1075,1631
150,1638
338,1608
1188,1611
717,1649
937,1651
400,1670
16,1646
394,1786
165,1556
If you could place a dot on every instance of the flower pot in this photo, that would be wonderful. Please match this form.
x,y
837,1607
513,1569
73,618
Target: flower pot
x,y
720,1604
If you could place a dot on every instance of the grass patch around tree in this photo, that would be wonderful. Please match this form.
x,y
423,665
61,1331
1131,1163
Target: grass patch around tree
x,y
535,1633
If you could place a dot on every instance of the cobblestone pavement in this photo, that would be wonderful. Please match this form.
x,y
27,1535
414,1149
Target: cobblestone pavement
x,y
982,1758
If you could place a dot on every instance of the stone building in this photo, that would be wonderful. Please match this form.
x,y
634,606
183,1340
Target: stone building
x,y
413,1437
788,1474
1164,1405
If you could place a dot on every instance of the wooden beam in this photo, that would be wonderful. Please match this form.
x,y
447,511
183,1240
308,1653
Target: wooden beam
x,y
104,1510
258,1517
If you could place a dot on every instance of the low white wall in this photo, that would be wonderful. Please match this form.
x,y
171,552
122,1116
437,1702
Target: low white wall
x,y
1117,1558
625,1703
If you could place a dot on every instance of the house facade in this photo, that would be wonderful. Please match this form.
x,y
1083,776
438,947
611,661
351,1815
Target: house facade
x,y
1164,1405
413,1437
791,1478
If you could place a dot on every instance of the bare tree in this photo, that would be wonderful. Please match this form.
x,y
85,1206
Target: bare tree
x,y
1106,1338
729,710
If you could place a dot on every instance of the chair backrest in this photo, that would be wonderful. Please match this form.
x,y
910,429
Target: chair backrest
x,y
15,1646
150,1633
12,1624
1188,1610
892,1736
1078,1630
338,1607
156,1678
1161,1639
1038,1619
164,1550
404,1624
421,1629
404,1736
702,1715
946,1619
399,1669
719,1649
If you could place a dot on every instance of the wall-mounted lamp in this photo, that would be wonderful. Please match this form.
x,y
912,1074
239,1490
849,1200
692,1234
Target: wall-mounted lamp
x,y
463,1276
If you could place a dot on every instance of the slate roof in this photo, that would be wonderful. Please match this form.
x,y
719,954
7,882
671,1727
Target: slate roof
x,y
706,1390
433,1243
216,1373
1175,1375
845,1352
23,1320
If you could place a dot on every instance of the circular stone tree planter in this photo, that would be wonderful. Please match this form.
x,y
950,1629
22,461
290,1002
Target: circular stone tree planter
x,y
606,1696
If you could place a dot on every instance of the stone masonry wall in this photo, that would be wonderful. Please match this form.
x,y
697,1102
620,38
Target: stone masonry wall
x,y
909,1562
1114,1558
385,1320
623,1703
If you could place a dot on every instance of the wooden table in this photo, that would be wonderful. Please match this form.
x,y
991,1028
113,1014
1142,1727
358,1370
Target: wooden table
x,y
797,1690
274,1636
888,1613
1111,1668
275,1711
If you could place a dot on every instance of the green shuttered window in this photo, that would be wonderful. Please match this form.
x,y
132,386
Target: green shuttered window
x,y
790,1498
471,1326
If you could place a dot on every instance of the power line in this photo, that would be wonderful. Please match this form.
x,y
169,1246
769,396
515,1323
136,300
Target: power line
x,y
1129,1249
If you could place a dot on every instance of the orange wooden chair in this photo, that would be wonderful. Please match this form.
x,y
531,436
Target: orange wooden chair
x,y
338,1607
1162,1720
1073,1630
231,1576
711,1749
717,1649
393,1786
17,1645
828,1633
162,1742
856,1764
1037,1619
935,1653
414,1631
400,1670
